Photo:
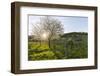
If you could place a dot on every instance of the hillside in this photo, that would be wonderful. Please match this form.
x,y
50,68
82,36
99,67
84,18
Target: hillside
x,y
73,44
76,37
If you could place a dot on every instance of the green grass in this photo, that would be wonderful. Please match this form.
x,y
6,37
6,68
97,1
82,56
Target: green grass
x,y
58,51
37,46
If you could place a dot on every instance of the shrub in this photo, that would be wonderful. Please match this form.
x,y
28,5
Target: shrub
x,y
45,55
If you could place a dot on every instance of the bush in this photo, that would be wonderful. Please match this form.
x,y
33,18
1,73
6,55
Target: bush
x,y
59,55
45,55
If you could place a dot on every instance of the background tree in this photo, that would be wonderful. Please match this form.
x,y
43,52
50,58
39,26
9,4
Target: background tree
x,y
49,27
36,32
52,26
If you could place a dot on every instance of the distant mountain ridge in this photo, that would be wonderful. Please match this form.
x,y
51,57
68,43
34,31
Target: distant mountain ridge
x,y
75,33
76,36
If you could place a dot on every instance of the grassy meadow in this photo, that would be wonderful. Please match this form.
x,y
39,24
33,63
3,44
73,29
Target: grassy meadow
x,y
68,46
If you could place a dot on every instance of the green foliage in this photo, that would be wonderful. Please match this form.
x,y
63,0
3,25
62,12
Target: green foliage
x,y
59,55
69,46
42,55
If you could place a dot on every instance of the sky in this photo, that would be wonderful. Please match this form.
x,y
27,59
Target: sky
x,y
70,23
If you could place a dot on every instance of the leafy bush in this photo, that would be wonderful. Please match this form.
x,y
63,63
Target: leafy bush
x,y
45,55
59,55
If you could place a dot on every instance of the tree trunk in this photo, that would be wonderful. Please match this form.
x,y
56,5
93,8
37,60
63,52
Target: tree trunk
x,y
49,43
